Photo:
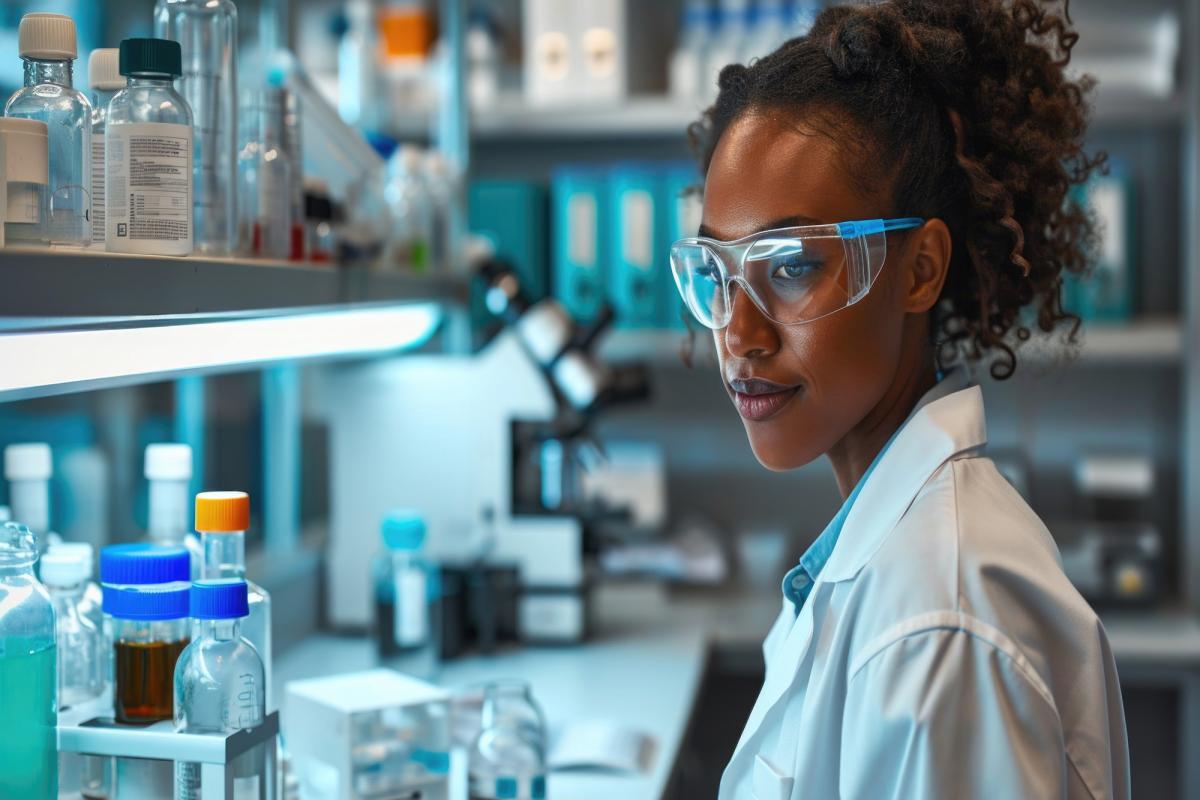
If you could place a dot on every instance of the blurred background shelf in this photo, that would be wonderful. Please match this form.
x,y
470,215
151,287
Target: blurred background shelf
x,y
45,288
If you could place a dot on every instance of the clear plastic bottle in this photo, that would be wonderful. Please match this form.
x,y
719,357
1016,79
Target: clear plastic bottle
x,y
168,469
104,78
91,601
81,671
408,198
28,468
265,175
219,683
47,43
28,757
508,757
406,598
222,519
357,68
148,149
207,32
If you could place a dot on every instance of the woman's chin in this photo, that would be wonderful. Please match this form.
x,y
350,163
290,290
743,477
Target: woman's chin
x,y
779,455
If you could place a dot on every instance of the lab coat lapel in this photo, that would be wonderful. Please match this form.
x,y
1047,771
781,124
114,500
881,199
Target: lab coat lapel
x,y
940,429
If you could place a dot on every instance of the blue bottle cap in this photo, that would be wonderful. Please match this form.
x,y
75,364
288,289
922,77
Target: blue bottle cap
x,y
403,529
164,601
219,598
143,563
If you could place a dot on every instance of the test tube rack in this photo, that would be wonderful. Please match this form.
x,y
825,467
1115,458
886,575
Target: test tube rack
x,y
84,730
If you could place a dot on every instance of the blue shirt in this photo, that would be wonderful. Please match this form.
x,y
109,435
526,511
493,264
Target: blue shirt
x,y
798,583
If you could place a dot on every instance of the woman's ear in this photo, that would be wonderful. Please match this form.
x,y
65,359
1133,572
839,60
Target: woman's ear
x,y
929,250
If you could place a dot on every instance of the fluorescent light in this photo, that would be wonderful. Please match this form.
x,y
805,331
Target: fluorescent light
x,y
40,360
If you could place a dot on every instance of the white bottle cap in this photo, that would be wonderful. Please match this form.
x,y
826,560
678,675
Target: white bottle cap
x,y
64,567
26,150
104,72
168,462
28,462
50,37
81,550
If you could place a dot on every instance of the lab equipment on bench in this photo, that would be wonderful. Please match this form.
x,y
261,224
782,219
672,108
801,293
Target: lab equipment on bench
x,y
219,683
104,78
48,48
222,519
24,155
28,757
508,757
407,598
148,155
367,735
207,33
168,471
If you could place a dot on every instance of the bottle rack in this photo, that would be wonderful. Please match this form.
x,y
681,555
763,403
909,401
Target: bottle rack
x,y
88,730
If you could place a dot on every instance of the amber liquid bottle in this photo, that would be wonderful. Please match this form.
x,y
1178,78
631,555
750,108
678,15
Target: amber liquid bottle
x,y
144,673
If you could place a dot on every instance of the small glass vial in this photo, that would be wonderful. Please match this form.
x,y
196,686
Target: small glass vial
x,y
148,144
28,662
265,172
48,48
168,470
207,30
508,757
219,683
222,519
406,595
104,78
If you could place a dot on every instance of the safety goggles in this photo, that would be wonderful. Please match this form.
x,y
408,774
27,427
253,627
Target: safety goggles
x,y
793,275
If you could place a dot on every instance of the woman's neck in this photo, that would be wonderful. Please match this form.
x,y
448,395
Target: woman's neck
x,y
915,376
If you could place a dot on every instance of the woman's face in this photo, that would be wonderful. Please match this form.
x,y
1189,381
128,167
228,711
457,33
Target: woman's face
x,y
799,388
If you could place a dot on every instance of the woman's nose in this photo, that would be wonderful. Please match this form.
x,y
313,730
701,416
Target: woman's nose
x,y
749,333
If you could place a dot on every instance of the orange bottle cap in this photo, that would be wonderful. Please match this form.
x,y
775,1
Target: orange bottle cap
x,y
222,512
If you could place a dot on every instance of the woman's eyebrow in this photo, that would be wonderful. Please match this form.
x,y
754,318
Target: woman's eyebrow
x,y
786,222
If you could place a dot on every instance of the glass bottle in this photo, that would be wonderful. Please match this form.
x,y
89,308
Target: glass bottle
x,y
219,683
265,175
80,643
47,45
406,597
104,78
222,519
148,149
28,757
407,194
508,757
207,33
168,469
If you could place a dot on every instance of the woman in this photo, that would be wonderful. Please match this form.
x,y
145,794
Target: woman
x,y
883,197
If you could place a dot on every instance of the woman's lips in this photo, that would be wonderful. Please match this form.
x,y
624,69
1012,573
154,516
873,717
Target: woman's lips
x,y
758,400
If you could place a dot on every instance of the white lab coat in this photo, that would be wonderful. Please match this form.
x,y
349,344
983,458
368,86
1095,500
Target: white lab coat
x,y
942,652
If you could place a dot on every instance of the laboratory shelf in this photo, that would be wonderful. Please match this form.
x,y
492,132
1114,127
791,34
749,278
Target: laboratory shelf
x,y
1158,638
79,321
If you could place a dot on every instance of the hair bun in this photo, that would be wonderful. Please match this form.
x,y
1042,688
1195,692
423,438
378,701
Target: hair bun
x,y
854,47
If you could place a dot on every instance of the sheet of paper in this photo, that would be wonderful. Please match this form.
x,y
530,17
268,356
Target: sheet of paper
x,y
602,745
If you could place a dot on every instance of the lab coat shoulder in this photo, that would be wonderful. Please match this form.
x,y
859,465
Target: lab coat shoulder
x,y
980,629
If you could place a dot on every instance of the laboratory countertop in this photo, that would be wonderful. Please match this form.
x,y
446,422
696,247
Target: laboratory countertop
x,y
642,669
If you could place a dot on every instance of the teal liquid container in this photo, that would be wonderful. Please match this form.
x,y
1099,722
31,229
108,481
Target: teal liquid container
x,y
28,672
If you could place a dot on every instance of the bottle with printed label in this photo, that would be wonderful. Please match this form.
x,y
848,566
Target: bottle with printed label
x,y
104,76
406,594
148,148
219,683
47,43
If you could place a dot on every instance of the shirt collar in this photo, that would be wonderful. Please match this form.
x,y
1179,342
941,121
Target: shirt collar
x,y
946,421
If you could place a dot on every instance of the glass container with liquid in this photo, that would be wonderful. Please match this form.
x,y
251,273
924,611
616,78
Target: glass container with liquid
x,y
146,596
28,756
219,687
508,758
104,78
406,597
48,48
207,32
222,519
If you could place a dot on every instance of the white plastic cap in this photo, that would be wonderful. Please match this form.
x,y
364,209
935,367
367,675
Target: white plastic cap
x,y
168,462
28,462
65,567
26,150
104,73
47,36
81,550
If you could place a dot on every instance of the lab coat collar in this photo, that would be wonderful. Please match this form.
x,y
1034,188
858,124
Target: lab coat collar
x,y
946,422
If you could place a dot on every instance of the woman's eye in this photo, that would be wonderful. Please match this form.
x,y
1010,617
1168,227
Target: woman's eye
x,y
794,268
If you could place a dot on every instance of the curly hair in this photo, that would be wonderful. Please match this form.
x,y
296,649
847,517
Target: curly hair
x,y
970,101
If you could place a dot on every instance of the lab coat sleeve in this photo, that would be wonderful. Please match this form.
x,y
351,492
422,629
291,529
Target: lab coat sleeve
x,y
943,712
